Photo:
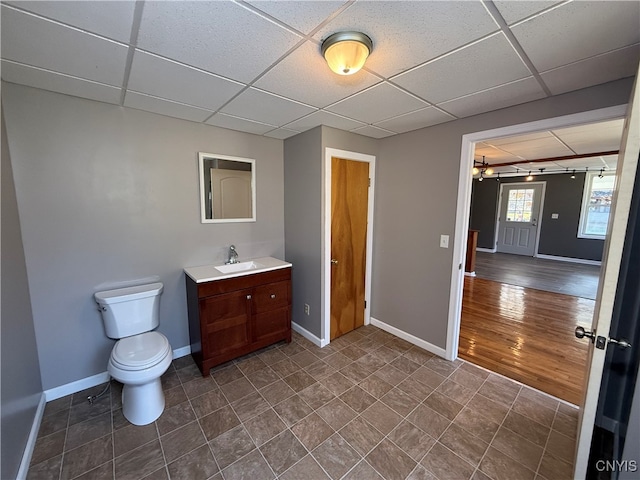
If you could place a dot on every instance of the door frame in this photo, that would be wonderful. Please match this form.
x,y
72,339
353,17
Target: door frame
x,y
540,212
325,257
464,200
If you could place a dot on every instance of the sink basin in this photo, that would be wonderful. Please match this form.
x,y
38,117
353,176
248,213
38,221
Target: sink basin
x,y
239,267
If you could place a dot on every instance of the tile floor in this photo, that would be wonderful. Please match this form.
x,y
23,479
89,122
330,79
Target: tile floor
x,y
368,406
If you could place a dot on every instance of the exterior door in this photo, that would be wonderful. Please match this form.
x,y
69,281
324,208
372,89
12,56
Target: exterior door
x,y
349,205
519,214
609,291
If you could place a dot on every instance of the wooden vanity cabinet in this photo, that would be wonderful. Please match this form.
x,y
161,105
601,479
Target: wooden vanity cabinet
x,y
232,317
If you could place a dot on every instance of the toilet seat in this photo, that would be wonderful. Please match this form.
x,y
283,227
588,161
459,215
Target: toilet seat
x,y
140,352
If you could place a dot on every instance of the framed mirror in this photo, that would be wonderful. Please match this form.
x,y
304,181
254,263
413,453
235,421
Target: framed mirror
x,y
227,188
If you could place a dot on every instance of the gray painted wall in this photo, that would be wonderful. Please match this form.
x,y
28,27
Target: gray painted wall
x,y
558,237
20,372
304,161
110,194
416,195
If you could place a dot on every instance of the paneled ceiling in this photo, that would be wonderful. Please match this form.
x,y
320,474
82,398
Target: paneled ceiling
x,y
255,66
525,152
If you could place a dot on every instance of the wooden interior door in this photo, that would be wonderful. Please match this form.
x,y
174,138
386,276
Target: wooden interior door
x,y
349,206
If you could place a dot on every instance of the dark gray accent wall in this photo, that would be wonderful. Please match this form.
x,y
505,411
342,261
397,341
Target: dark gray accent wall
x,y
558,237
21,387
110,194
416,202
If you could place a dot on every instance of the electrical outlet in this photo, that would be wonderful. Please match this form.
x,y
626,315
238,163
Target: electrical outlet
x,y
444,241
306,308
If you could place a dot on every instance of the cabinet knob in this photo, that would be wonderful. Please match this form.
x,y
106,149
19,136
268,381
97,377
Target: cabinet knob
x,y
248,297
273,295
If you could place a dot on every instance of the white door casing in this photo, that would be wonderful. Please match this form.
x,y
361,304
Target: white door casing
x,y
612,257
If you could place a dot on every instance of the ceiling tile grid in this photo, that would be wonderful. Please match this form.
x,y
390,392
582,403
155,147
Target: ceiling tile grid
x,y
256,66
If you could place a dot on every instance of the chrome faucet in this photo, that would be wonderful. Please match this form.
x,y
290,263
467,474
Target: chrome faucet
x,y
233,255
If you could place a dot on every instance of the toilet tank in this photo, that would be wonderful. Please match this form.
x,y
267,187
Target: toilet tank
x,y
130,311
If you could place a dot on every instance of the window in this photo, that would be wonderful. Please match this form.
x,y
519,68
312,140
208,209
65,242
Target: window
x,y
596,203
520,205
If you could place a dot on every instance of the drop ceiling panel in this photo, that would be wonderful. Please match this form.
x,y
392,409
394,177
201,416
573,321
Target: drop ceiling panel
x,y
593,138
486,64
593,71
558,38
319,89
166,79
52,46
515,93
544,135
378,103
324,118
165,107
594,163
263,107
493,155
219,37
371,131
240,124
514,11
302,19
535,149
414,120
405,34
107,18
281,133
55,82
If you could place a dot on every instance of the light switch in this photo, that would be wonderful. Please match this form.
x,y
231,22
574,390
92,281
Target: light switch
x,y
554,216
444,241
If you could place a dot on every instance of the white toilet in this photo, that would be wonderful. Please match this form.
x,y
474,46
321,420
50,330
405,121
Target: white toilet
x,y
140,356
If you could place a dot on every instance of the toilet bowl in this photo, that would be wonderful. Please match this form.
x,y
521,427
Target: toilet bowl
x,y
141,355
138,362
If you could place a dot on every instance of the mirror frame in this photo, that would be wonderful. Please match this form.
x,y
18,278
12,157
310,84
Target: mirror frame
x,y
202,156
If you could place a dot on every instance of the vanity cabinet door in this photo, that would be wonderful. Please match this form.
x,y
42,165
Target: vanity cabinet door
x,y
271,296
225,321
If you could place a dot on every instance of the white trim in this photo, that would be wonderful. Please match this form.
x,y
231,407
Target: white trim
x,y
88,382
325,306
181,352
540,211
487,250
469,274
584,204
441,352
31,441
568,259
308,335
464,199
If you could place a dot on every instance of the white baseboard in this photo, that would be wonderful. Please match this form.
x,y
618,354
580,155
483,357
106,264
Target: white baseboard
x,y
308,335
31,441
487,250
441,352
88,382
569,259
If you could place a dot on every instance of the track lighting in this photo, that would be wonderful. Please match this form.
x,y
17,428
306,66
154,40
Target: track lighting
x,y
529,177
601,175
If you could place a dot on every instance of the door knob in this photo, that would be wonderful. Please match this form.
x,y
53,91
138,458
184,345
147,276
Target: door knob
x,y
581,333
334,261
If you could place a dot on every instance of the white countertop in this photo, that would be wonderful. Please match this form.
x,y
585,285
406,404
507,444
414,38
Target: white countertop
x,y
209,273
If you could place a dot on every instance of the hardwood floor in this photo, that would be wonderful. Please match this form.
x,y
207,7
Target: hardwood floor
x,y
526,334
575,279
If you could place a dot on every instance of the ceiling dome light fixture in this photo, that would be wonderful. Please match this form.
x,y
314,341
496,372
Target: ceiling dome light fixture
x,y
346,52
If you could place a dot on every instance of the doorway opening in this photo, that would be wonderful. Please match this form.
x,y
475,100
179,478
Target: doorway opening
x,y
326,258
464,202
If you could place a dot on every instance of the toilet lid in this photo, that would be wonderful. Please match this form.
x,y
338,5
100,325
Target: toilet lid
x,y
140,351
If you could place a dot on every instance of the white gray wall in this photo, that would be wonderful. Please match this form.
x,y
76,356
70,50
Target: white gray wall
x,y
416,195
21,387
110,194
